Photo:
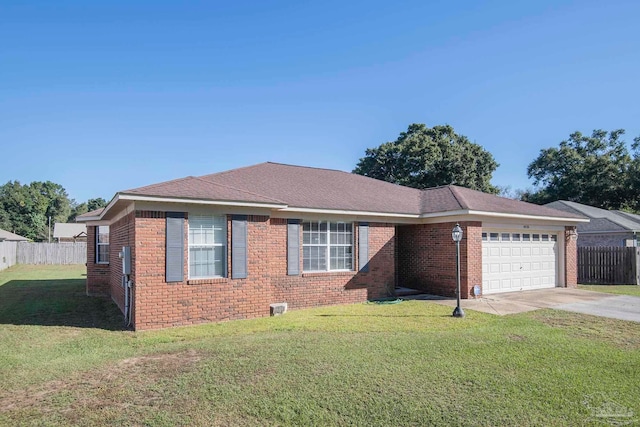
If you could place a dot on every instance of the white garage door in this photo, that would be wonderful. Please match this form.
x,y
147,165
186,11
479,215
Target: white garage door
x,y
515,261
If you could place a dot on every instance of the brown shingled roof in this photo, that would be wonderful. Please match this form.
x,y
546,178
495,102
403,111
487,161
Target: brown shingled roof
x,y
199,188
314,188
479,201
327,189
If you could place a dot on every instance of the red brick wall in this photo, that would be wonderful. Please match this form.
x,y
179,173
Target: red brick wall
x,y
571,257
97,274
316,289
159,304
470,258
427,258
121,233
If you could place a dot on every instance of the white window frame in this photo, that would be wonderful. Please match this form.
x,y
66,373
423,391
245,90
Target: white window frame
x,y
221,221
102,244
326,247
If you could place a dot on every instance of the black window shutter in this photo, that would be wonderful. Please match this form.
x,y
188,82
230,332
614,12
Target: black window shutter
x,y
293,247
239,247
174,271
363,247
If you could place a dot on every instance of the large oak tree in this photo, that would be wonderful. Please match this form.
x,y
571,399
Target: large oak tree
x,y
424,157
596,170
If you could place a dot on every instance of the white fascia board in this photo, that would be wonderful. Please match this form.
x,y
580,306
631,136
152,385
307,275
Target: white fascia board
x,y
198,201
444,214
88,218
348,213
529,217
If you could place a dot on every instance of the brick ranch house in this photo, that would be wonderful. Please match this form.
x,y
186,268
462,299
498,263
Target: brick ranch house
x,y
227,245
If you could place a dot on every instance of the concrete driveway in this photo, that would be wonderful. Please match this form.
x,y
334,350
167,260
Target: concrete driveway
x,y
576,300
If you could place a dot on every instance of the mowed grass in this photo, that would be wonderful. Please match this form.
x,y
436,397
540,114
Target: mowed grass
x,y
633,290
65,360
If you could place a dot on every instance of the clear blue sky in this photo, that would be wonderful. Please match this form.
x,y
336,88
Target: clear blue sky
x,y
105,96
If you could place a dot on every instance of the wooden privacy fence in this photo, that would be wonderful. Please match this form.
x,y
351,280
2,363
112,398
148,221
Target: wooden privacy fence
x,y
609,265
51,253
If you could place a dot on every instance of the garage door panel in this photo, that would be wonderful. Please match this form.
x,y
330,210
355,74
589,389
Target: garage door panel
x,y
515,261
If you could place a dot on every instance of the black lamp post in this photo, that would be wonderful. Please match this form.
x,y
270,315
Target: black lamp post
x,y
456,235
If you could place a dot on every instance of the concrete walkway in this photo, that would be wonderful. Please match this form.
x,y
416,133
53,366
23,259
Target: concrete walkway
x,y
575,300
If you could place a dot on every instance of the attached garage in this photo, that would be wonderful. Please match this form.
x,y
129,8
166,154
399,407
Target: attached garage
x,y
518,260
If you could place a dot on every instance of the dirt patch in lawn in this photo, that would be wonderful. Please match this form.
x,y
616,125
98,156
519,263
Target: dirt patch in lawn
x,y
620,333
126,383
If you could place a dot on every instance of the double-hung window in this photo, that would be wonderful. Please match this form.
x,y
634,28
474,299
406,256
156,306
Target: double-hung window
x,y
102,244
207,246
327,246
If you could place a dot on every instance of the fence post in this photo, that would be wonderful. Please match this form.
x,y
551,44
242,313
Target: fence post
x,y
636,265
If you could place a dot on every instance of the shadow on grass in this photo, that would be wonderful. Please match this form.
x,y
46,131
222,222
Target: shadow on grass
x,y
56,303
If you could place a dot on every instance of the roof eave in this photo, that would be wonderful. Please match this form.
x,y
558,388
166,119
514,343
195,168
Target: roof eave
x,y
502,215
142,198
287,209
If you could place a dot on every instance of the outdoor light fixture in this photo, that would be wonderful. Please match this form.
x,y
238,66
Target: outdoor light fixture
x,y
456,235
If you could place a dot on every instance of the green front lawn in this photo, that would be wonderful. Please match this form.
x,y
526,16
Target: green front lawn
x,y
633,290
64,360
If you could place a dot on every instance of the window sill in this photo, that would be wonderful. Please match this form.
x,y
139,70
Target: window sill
x,y
210,281
105,264
328,273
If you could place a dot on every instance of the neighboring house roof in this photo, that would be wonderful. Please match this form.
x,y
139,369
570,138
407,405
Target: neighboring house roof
x,y
89,215
62,230
303,189
602,220
11,237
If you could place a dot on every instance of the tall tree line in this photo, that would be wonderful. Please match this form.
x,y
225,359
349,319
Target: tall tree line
x,y
600,169
26,209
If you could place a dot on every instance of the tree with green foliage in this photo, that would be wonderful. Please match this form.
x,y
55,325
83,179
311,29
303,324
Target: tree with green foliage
x,y
90,205
633,203
26,209
425,157
595,170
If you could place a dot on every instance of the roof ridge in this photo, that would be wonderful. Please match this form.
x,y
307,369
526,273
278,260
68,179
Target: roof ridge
x,y
309,167
458,197
157,184
233,170
279,164
237,189
312,168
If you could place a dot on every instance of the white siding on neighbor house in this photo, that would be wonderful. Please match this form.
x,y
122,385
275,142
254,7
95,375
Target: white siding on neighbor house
x,y
606,239
8,252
